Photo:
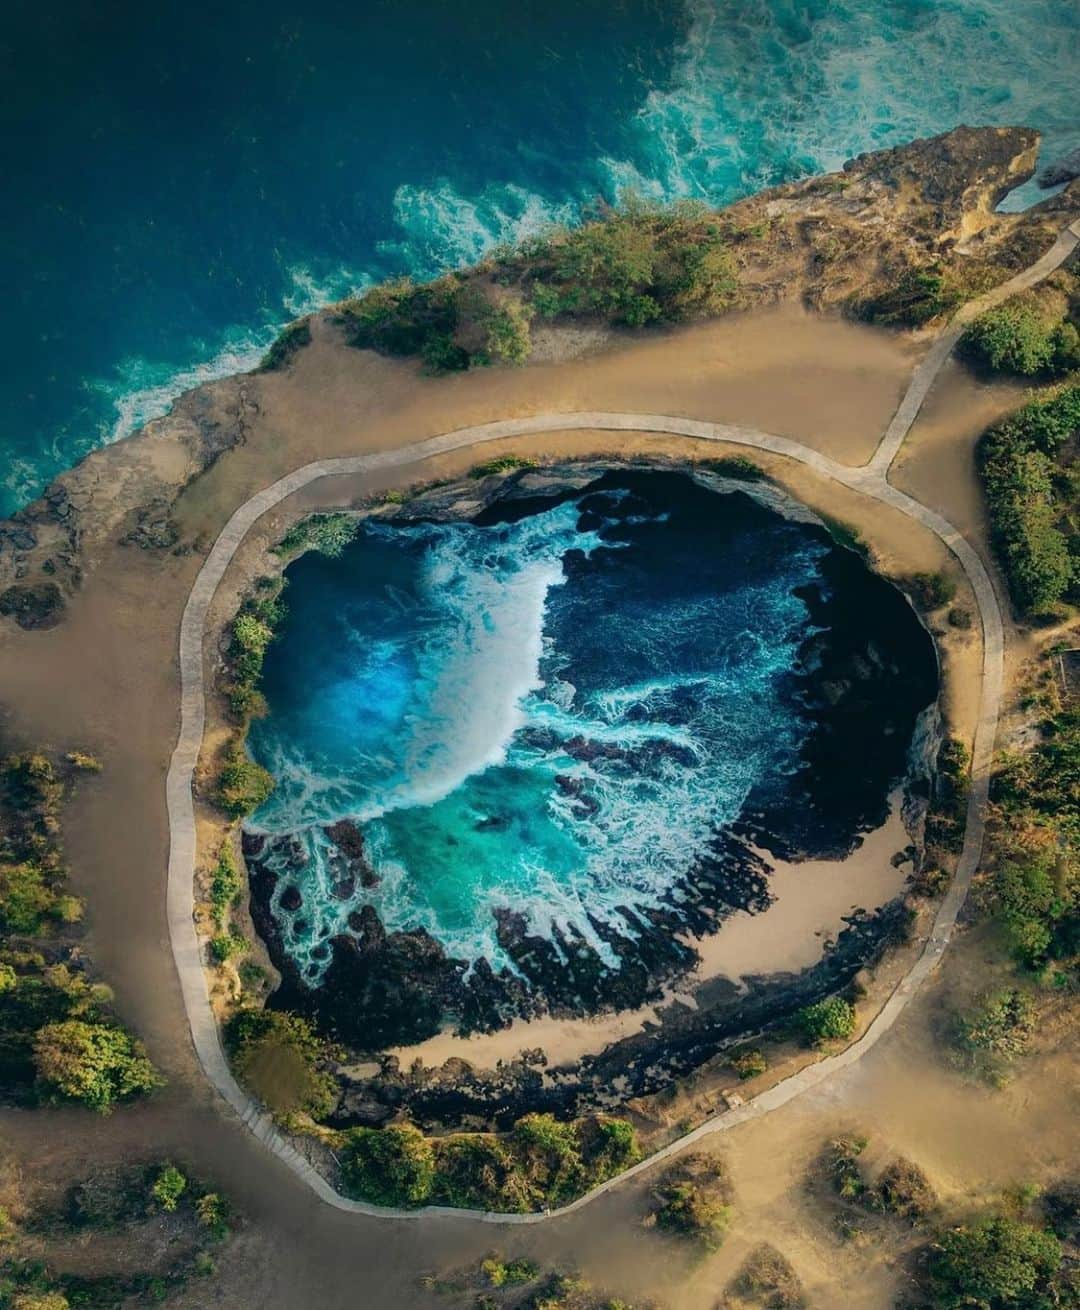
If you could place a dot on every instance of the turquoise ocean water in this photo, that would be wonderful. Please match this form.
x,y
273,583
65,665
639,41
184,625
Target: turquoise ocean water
x,y
182,181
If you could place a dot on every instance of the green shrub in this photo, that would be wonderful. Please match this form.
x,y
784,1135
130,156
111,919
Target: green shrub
x,y
608,1147
501,464
507,335
990,1035
212,1211
932,590
8,979
96,1064
832,1019
48,1300
478,1171
281,1058
749,1064
168,1187
1030,531
639,264
693,1201
550,1156
392,1166
947,818
27,901
1012,338
509,1273
225,946
327,533
84,762
923,294
290,340
243,785
225,884
250,635
996,1263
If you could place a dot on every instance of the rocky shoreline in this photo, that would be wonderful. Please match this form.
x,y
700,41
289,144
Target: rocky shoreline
x,y
833,243
385,989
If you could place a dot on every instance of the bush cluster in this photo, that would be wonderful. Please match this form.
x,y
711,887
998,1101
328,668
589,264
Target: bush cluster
x,y
1020,338
281,1058
327,533
289,342
1031,500
542,1163
902,1188
97,1064
922,294
693,1201
58,1036
831,1019
638,264
997,1262
988,1035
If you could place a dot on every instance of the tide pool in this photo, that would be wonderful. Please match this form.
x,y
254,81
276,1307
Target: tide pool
x,y
553,714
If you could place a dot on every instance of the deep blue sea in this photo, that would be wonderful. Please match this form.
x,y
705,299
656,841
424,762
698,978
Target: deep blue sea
x,y
180,180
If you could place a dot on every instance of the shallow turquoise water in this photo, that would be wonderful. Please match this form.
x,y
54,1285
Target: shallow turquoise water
x,y
180,183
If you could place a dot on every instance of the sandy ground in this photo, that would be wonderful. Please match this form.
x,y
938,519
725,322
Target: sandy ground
x,y
105,680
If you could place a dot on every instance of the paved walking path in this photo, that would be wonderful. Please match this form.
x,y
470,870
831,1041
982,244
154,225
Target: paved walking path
x,y
870,480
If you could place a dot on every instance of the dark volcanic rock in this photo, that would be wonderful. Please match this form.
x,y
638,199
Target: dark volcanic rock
x,y
1061,170
32,605
290,898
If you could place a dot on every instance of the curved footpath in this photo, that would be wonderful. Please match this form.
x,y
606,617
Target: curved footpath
x,y
871,480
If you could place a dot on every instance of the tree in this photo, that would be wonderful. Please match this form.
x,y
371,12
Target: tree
x,y
389,1166
169,1186
998,1262
832,1019
97,1064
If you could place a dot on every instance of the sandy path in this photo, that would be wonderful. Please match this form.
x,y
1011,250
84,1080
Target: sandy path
x,y
870,480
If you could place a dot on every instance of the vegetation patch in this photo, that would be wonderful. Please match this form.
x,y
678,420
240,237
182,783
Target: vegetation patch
x,y
765,1281
59,1039
327,533
989,1035
1030,482
1024,338
693,1201
829,1020
501,464
289,342
518,1284
639,264
282,1060
151,1202
926,293
542,1163
1000,1263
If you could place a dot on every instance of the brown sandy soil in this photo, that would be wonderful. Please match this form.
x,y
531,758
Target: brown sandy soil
x,y
294,1253
105,680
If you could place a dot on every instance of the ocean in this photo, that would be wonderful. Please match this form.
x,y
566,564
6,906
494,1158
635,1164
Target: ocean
x,y
181,182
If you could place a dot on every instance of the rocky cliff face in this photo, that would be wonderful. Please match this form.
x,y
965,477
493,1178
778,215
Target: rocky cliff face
x,y
832,241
